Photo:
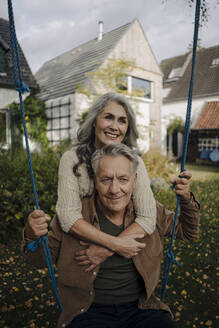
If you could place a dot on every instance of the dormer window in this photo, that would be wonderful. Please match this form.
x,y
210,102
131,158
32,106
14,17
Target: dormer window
x,y
174,73
215,62
166,92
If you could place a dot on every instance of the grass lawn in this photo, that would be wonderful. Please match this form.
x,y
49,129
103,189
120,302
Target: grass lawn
x,y
201,172
27,299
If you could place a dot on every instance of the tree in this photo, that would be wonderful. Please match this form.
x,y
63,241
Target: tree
x,y
204,14
176,125
111,76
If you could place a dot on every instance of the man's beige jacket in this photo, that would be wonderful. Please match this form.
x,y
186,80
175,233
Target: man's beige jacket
x,y
76,286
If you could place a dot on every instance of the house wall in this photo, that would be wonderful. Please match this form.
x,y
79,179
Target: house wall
x,y
8,96
134,46
178,110
141,108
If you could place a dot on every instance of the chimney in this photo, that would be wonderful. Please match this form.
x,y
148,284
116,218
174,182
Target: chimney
x,y
100,30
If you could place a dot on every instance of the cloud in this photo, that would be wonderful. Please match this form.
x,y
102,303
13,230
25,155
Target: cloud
x,y
47,28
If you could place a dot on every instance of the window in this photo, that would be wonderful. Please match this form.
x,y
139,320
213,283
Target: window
x,y
58,127
166,92
208,144
175,72
136,86
3,138
215,62
143,87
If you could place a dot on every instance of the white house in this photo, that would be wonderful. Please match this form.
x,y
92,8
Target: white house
x,y
60,77
177,71
8,94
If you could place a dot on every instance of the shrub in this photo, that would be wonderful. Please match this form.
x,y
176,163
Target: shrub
x,y
16,195
158,165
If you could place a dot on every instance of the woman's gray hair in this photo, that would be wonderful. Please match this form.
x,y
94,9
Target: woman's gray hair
x,y
85,134
114,150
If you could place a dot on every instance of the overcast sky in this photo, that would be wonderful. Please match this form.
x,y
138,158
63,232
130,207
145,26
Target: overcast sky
x,y
47,28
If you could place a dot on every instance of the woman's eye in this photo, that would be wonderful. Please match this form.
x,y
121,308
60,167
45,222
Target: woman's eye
x,y
122,121
108,117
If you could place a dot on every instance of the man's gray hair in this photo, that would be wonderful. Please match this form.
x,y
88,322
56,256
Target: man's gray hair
x,y
114,150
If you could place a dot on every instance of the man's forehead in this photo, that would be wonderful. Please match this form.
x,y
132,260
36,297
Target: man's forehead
x,y
114,165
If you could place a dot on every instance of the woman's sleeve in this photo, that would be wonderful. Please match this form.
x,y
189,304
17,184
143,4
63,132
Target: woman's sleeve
x,y
144,202
68,207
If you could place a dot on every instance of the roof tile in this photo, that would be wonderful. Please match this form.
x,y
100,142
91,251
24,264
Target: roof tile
x,y
63,74
7,79
206,78
209,117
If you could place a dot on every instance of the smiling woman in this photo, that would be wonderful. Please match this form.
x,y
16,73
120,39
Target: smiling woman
x,y
111,125
110,120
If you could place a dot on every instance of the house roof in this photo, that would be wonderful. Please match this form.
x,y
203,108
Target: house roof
x,y
209,117
63,74
6,76
206,78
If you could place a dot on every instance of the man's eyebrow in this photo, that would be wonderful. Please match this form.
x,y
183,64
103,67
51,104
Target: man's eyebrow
x,y
124,176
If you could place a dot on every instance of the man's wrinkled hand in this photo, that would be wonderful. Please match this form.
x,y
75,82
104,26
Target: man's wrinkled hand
x,y
37,224
182,185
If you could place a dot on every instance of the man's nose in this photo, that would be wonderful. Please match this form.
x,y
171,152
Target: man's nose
x,y
114,187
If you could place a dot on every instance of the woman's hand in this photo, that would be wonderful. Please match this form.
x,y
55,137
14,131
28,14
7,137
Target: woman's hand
x,y
37,224
127,245
92,255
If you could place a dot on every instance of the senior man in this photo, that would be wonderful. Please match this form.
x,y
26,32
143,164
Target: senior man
x,y
113,290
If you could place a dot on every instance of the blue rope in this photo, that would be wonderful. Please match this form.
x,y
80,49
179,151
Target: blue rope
x,y
170,255
21,87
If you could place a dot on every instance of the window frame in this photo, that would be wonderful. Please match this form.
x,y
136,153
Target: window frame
x,y
51,118
208,144
215,62
129,88
174,73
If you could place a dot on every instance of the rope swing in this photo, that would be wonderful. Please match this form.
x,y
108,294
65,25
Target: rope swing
x,y
170,256
21,87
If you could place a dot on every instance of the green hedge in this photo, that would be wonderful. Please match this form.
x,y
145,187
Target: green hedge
x,y
16,195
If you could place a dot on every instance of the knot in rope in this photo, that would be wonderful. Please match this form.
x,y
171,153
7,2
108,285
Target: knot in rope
x,y
22,88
